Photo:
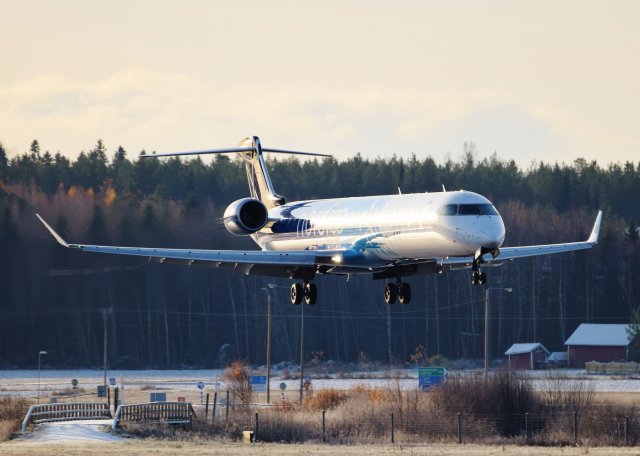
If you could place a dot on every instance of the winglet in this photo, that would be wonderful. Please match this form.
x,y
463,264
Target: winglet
x,y
59,238
595,232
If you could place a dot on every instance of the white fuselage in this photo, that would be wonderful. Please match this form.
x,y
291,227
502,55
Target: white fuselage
x,y
419,225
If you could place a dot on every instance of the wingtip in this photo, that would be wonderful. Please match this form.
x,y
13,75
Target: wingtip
x,y
595,232
57,237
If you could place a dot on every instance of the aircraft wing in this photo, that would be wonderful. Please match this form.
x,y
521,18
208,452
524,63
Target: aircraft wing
x,y
293,264
511,253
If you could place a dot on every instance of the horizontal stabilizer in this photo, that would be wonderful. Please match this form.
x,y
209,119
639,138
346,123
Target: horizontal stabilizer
x,y
231,150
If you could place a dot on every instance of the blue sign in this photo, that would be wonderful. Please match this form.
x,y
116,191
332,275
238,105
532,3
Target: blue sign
x,y
200,385
258,382
431,376
112,381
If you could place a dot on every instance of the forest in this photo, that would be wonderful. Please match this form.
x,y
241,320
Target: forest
x,y
167,316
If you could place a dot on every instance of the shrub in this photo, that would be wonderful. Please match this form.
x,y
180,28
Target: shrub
x,y
236,375
325,399
501,397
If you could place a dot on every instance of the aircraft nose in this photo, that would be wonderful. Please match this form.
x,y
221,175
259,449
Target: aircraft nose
x,y
493,234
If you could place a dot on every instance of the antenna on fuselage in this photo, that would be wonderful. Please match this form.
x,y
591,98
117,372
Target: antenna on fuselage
x,y
444,189
399,191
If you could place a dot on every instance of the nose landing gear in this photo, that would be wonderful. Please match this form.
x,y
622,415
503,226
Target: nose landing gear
x,y
478,278
399,290
306,291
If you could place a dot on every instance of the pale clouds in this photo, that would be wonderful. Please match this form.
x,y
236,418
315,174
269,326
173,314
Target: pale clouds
x,y
143,109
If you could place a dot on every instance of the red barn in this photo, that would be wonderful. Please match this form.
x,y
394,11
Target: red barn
x,y
526,356
597,342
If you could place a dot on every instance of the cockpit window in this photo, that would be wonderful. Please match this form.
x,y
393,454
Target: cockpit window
x,y
468,209
488,209
449,209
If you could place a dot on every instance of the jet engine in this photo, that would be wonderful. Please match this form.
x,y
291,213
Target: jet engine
x,y
245,216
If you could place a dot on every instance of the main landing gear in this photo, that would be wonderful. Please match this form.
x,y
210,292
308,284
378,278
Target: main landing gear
x,y
307,291
399,290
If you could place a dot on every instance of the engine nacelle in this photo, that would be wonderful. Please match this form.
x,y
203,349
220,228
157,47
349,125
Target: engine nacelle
x,y
245,216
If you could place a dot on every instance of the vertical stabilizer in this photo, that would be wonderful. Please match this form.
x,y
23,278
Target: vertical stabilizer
x,y
260,185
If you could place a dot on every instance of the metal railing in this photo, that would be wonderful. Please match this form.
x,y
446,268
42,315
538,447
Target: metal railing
x,y
164,412
42,413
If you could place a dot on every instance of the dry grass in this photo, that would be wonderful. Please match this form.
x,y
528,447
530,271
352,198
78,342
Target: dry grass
x,y
12,412
162,447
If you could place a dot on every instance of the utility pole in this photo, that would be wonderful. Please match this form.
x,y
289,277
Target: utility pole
x,y
104,346
486,327
301,350
268,343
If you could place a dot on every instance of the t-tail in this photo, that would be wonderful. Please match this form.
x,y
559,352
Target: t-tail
x,y
250,150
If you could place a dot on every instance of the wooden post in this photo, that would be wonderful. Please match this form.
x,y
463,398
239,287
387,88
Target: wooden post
x,y
255,430
227,411
215,403
526,425
575,427
324,426
459,426
393,425
115,398
626,431
206,408
109,399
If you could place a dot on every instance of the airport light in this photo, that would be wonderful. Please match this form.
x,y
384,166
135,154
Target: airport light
x,y
40,354
486,327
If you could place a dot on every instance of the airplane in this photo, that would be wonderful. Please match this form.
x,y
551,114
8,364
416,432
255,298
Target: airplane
x,y
386,237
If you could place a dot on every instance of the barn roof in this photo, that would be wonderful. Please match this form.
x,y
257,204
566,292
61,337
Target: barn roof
x,y
600,334
517,349
558,356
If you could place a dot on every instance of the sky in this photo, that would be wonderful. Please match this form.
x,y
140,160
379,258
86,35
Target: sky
x,y
528,80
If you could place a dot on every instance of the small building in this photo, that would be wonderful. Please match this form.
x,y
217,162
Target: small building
x,y
557,359
597,342
526,356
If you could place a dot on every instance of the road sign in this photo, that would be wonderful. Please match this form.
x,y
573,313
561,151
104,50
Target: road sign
x,y
283,386
181,399
258,383
157,397
112,381
200,385
431,376
74,382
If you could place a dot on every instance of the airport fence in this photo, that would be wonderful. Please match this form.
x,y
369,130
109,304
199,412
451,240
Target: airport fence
x,y
596,426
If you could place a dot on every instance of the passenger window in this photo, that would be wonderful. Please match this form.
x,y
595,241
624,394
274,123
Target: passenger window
x,y
469,209
449,209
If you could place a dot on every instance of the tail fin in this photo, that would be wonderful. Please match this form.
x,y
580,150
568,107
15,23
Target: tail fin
x,y
250,149
260,186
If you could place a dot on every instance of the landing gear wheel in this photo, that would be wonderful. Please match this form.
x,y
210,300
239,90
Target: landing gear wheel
x,y
482,278
310,293
390,293
475,278
404,293
296,293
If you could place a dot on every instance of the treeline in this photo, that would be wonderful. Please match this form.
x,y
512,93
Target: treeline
x,y
167,316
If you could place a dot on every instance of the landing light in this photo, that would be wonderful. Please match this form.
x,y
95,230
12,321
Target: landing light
x,y
336,258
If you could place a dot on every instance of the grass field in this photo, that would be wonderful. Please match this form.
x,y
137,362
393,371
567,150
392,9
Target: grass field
x,y
156,447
